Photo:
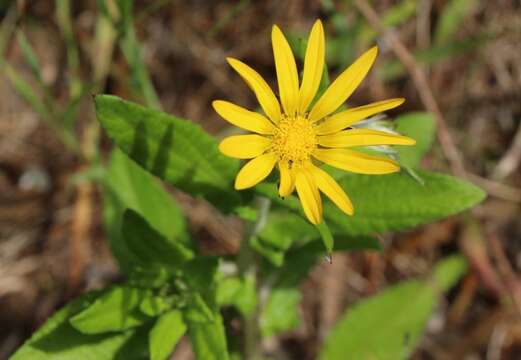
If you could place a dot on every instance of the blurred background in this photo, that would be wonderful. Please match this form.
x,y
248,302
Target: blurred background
x,y
459,59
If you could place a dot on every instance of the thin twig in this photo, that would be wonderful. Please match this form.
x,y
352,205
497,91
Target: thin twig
x,y
248,265
509,277
419,78
511,160
420,81
423,24
496,189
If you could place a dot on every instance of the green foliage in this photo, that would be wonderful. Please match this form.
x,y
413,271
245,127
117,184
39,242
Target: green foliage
x,y
26,91
395,201
280,312
407,203
149,247
171,289
156,305
451,18
327,237
283,228
132,50
448,271
116,310
208,339
396,15
29,55
201,272
421,127
127,186
57,339
237,292
173,149
389,324
165,334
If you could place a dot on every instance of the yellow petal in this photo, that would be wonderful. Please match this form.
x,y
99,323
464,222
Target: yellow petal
x,y
244,146
309,196
286,67
245,119
255,171
363,137
313,66
343,86
330,187
262,90
347,118
356,162
287,179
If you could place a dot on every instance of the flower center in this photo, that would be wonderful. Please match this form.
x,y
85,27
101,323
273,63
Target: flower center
x,y
294,139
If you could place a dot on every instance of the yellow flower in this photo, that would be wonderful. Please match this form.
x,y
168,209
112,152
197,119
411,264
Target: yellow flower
x,y
296,138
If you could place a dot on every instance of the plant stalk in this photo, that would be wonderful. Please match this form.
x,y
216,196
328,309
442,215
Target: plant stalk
x,y
248,265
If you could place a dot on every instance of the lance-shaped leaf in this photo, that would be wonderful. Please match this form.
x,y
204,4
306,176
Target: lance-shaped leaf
x,y
165,334
128,186
116,310
149,247
389,324
175,150
392,202
421,127
58,340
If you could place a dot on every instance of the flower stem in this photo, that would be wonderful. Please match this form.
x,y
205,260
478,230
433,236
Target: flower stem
x,y
248,265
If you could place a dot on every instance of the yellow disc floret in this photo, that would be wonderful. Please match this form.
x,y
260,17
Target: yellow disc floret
x,y
294,139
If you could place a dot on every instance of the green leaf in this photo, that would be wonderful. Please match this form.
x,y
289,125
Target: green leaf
x,y
165,334
344,243
26,91
299,261
392,202
270,252
389,324
421,127
451,18
29,55
128,186
327,237
385,326
149,247
201,272
394,16
283,228
155,305
398,202
153,277
200,275
280,312
58,340
238,292
116,310
246,213
173,149
298,264
132,50
208,339
198,310
449,270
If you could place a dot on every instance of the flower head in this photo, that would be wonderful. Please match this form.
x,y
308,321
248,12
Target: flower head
x,y
297,138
